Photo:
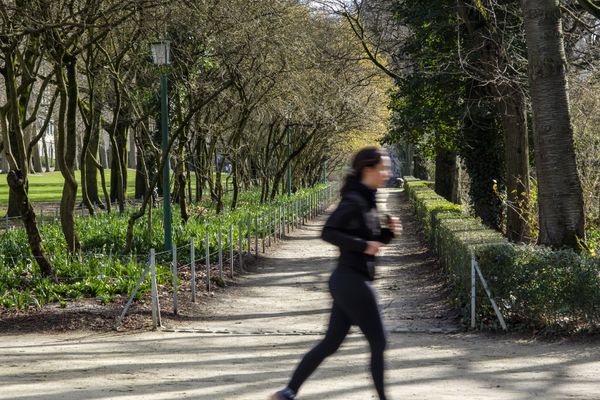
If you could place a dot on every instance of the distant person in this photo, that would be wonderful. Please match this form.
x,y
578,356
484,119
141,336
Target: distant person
x,y
355,228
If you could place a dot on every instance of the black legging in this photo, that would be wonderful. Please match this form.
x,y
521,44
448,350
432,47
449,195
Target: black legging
x,y
354,303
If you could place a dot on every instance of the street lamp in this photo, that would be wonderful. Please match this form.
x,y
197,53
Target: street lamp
x,y
161,55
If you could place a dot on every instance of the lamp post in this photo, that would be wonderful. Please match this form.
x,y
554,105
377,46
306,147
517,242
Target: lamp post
x,y
324,162
161,56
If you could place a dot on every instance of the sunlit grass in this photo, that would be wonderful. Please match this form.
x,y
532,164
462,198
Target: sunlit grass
x,y
47,187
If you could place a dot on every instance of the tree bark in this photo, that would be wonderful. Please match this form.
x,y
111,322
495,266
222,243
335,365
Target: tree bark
x,y
67,147
36,159
140,178
560,198
132,157
118,173
17,182
90,163
513,114
446,174
17,174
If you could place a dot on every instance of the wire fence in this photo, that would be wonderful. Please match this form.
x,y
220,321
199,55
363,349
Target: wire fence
x,y
200,263
255,235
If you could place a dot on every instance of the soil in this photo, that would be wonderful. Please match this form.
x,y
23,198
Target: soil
x,y
243,341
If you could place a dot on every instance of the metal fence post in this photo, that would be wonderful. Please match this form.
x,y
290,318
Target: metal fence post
x,y
248,223
276,220
207,246
220,256
269,228
262,232
282,218
240,244
231,248
155,304
256,236
286,217
175,279
193,268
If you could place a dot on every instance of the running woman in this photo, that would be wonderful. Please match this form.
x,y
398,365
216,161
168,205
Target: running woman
x,y
354,227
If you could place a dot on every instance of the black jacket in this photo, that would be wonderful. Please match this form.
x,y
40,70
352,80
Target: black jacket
x,y
354,222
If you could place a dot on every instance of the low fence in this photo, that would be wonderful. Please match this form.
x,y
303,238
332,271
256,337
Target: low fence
x,y
254,235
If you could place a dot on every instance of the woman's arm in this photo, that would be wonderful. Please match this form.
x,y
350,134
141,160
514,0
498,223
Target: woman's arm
x,y
338,222
385,236
393,228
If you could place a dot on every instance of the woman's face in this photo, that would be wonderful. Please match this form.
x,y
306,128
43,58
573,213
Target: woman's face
x,y
377,176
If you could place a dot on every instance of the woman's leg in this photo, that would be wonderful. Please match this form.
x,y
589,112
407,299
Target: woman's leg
x,y
372,327
339,325
359,303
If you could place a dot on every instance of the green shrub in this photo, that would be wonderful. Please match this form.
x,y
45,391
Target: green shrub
x,y
534,286
539,287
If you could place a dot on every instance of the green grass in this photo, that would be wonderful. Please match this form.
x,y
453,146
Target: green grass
x,y
103,272
47,187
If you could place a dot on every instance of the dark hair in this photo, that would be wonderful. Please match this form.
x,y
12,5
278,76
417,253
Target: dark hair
x,y
366,157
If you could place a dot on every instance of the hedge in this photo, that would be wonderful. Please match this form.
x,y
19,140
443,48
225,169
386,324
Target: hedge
x,y
535,287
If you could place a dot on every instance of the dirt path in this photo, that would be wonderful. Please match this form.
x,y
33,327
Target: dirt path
x,y
251,340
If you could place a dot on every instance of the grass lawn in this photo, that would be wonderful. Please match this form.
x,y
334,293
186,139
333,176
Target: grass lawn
x,y
47,187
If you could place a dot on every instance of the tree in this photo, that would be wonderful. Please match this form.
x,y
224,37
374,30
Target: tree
x,y
493,61
21,59
560,199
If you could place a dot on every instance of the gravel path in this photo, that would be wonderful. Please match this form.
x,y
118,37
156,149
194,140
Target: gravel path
x,y
254,334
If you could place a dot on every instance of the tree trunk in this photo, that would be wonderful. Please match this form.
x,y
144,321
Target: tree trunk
x,y
219,184
90,163
84,171
419,168
17,174
180,174
446,174
36,159
513,114
103,158
236,186
56,166
14,206
140,178
487,43
18,184
410,155
132,157
66,150
118,173
3,163
560,198
46,158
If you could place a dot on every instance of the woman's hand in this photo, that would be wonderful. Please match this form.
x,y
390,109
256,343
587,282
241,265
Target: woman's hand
x,y
394,224
373,248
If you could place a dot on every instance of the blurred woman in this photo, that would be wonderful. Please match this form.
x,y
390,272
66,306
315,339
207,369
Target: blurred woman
x,y
355,228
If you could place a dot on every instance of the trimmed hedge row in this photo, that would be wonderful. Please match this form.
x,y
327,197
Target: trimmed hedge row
x,y
535,287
